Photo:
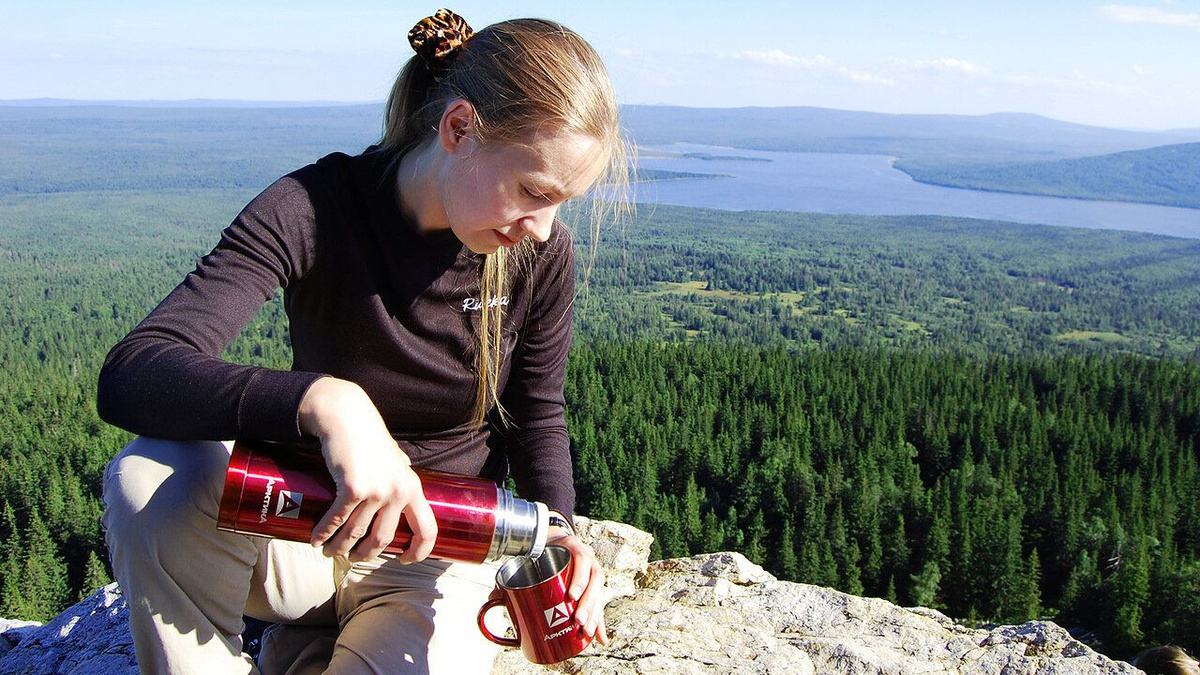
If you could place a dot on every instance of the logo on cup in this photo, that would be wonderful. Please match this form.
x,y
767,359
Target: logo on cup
x,y
556,615
289,504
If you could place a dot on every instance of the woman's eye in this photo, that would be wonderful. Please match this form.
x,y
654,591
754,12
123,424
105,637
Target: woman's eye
x,y
532,194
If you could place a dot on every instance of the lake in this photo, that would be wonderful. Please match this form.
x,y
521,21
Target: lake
x,y
870,185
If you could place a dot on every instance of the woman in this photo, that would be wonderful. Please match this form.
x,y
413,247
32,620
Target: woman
x,y
429,289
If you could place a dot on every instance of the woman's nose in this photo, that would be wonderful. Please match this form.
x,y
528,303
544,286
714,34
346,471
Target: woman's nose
x,y
539,223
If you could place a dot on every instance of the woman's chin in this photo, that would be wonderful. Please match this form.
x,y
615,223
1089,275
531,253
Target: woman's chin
x,y
483,249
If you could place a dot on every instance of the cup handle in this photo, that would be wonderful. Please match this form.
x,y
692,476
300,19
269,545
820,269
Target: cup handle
x,y
502,641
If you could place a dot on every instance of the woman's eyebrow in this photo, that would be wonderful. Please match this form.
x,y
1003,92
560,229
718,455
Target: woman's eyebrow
x,y
547,187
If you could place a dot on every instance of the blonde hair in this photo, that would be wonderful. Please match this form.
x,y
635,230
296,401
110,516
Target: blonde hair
x,y
520,76
1166,660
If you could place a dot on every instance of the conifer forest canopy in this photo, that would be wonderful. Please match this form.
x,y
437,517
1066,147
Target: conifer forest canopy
x,y
996,420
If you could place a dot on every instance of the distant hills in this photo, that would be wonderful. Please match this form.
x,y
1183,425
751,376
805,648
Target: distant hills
x,y
257,141
1168,174
1003,152
185,103
981,139
110,147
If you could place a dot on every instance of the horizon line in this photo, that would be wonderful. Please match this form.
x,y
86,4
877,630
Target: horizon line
x,y
50,101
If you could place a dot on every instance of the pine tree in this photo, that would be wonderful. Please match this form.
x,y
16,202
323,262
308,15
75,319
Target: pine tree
x,y
94,576
756,539
713,534
1033,585
12,598
43,575
924,585
1129,589
1024,598
786,564
693,525
851,580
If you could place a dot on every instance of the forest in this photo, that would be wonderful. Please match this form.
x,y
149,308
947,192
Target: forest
x,y
996,420
1168,175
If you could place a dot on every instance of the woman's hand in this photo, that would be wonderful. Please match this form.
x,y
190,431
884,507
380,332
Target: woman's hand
x,y
587,583
376,486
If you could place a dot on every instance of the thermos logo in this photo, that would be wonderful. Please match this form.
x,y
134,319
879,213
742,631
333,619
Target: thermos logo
x,y
289,504
266,505
556,615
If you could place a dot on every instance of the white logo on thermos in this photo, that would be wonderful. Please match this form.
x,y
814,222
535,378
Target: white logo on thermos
x,y
262,515
289,504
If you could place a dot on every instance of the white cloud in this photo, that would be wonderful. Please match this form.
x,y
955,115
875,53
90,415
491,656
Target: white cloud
x,y
978,75
951,65
777,58
1141,14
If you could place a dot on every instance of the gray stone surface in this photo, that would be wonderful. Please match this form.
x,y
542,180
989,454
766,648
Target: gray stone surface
x,y
623,550
721,613
91,637
12,632
713,613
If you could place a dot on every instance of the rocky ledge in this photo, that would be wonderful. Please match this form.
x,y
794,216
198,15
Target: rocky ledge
x,y
712,613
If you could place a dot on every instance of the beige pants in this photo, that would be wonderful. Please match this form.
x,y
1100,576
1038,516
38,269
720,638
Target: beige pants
x,y
188,584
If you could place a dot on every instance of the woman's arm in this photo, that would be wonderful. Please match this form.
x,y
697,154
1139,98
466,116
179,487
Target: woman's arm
x,y
376,485
538,445
536,442
166,378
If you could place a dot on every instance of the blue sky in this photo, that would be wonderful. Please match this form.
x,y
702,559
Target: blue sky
x,y
1132,64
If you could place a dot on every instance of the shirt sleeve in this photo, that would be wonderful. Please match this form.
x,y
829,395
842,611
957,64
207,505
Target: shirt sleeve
x,y
536,441
166,378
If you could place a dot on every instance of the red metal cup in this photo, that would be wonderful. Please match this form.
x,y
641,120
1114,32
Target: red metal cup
x,y
534,591
283,491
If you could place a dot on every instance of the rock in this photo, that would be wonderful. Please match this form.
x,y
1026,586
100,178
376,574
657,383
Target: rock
x,y
622,549
721,613
91,637
12,632
716,613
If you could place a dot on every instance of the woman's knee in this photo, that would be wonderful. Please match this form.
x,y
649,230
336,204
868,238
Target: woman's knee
x,y
156,490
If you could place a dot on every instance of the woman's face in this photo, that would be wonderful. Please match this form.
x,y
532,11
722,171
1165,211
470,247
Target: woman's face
x,y
496,195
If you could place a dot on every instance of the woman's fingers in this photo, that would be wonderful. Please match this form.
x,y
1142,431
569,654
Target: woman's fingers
x,y
337,515
352,530
376,485
584,560
361,528
586,587
592,603
424,527
383,531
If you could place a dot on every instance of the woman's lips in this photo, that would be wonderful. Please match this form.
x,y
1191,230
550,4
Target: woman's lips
x,y
505,240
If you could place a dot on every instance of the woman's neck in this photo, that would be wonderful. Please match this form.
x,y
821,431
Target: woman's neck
x,y
416,183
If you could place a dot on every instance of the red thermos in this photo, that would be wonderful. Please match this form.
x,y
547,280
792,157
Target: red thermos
x,y
282,491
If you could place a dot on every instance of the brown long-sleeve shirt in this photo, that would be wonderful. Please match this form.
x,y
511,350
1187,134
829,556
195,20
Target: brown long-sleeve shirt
x,y
369,299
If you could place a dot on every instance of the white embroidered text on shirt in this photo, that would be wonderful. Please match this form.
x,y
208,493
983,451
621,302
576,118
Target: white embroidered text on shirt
x,y
474,304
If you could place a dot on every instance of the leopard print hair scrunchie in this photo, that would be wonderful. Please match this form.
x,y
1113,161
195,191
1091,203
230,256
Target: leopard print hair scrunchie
x,y
436,38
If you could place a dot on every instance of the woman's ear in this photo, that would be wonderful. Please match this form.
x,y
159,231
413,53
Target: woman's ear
x,y
457,125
